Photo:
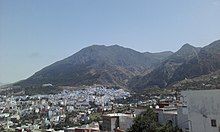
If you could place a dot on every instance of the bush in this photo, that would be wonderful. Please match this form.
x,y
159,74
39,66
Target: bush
x,y
147,122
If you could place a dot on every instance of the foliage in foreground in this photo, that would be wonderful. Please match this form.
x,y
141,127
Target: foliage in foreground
x,y
147,122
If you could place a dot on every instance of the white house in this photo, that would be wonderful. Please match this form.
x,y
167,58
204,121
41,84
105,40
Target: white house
x,y
167,115
182,118
203,110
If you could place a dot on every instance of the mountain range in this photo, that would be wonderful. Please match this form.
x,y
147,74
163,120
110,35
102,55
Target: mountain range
x,y
164,73
187,62
97,64
124,67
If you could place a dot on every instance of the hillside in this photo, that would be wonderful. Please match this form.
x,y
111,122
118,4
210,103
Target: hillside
x,y
97,64
123,67
161,56
160,76
209,81
188,62
207,61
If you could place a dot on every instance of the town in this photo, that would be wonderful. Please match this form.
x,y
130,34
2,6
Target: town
x,y
108,109
109,66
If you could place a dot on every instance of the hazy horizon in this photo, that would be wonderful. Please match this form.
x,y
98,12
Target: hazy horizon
x,y
35,34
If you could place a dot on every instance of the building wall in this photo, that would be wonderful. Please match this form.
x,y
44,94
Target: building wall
x,y
109,123
164,118
182,118
203,105
114,123
106,125
139,111
122,122
125,122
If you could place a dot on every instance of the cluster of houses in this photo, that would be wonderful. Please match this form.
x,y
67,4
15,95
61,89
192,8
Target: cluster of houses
x,y
189,111
48,111
194,111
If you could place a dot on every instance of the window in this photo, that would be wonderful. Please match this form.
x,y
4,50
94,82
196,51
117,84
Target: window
x,y
213,123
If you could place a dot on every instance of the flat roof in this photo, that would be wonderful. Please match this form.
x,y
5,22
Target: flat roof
x,y
118,114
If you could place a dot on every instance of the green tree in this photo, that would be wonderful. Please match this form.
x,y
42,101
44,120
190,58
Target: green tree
x,y
166,128
147,122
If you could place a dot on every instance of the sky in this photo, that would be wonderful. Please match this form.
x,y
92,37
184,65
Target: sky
x,y
37,33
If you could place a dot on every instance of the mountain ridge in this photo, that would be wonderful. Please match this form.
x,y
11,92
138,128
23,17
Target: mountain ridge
x,y
161,75
187,62
96,64
124,67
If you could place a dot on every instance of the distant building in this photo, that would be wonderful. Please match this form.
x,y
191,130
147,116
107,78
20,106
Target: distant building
x,y
138,111
86,130
167,115
182,118
82,130
111,122
203,110
47,85
93,127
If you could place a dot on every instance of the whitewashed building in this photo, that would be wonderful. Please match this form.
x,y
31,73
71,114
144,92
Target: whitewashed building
x,y
203,110
167,115
182,118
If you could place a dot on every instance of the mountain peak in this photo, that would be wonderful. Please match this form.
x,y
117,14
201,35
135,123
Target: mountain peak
x,y
115,45
214,47
98,47
187,46
187,51
96,64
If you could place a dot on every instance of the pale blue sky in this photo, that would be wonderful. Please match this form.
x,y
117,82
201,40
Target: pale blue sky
x,y
36,33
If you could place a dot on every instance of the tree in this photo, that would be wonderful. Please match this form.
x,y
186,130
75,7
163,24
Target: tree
x,y
147,122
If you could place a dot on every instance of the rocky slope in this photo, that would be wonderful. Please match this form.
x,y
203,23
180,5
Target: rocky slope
x,y
124,67
97,64
207,61
203,82
188,62
160,76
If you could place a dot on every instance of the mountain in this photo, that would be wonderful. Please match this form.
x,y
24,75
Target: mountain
x,y
160,77
203,82
123,67
207,61
97,64
188,62
160,55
